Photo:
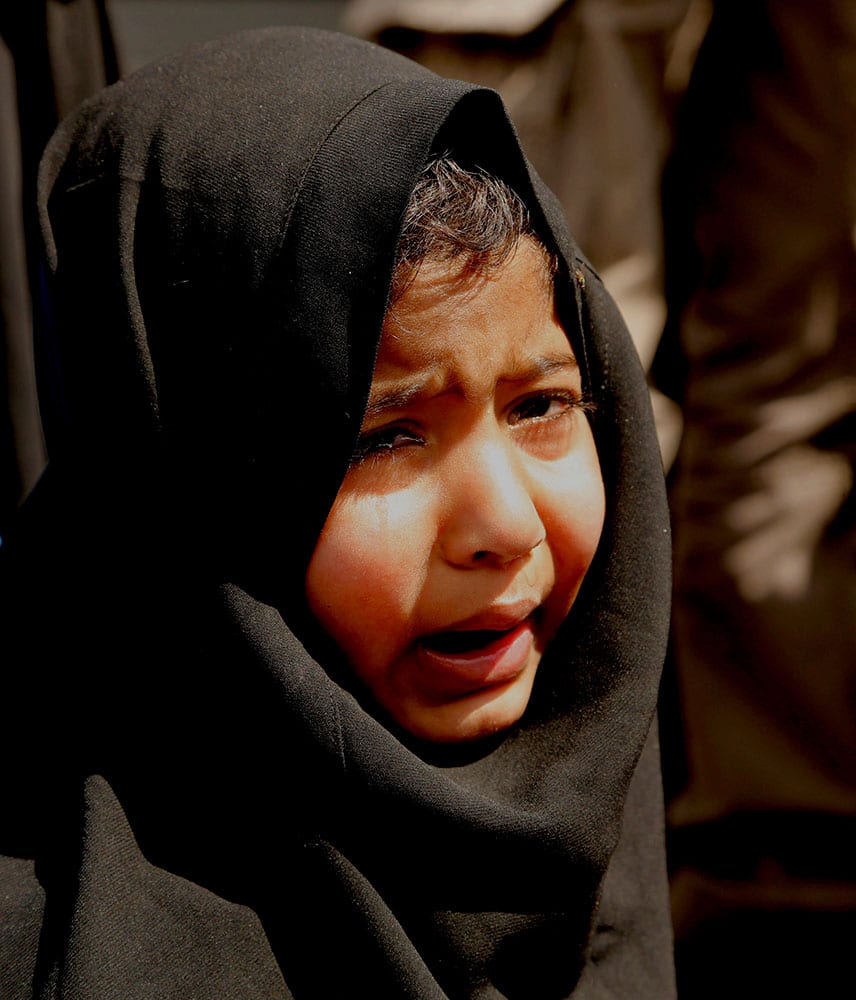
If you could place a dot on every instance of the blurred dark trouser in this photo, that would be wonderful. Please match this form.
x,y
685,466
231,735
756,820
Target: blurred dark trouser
x,y
761,198
53,54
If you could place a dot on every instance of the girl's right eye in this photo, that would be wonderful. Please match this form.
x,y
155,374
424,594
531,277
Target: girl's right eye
x,y
385,442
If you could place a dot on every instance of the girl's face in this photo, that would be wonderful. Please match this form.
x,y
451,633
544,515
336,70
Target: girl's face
x,y
471,512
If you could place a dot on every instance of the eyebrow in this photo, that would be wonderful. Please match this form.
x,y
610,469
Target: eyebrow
x,y
399,396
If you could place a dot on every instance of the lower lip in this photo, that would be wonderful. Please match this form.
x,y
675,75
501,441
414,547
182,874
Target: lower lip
x,y
498,663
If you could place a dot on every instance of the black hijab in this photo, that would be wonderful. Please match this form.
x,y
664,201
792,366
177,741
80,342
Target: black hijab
x,y
211,812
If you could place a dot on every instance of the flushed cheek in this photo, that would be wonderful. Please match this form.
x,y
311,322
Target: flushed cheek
x,y
574,518
367,572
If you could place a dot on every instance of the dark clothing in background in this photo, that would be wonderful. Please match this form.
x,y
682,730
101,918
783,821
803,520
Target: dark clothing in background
x,y
52,55
762,262
219,809
764,180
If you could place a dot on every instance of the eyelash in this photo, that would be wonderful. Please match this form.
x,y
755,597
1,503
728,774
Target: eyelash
x,y
379,444
572,400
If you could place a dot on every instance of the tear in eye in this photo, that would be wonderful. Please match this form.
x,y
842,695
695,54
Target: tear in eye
x,y
385,441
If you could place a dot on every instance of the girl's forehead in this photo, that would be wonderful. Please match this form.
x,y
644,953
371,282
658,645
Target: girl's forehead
x,y
445,309
446,333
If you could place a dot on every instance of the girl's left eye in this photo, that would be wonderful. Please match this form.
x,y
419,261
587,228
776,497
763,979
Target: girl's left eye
x,y
385,441
543,406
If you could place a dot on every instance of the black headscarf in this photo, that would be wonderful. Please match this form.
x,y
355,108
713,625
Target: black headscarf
x,y
211,812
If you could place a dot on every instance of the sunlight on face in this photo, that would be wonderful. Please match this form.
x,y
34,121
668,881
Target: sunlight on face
x,y
472,509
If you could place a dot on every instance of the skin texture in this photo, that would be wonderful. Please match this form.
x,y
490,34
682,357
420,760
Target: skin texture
x,y
475,502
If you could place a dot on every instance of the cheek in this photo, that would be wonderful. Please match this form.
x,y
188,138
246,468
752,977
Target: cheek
x,y
367,571
573,512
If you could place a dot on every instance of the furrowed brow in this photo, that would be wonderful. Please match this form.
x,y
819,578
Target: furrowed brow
x,y
399,396
548,364
395,397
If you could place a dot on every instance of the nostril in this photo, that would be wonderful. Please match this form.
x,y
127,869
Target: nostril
x,y
503,559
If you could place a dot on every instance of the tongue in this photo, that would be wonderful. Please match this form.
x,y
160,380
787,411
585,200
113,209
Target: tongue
x,y
461,642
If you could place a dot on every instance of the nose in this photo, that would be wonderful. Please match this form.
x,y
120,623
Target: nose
x,y
491,518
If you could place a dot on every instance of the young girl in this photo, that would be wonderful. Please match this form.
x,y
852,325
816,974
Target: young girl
x,y
341,608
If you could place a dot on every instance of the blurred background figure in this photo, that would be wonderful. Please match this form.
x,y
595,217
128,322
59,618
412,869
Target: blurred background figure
x,y
761,266
52,55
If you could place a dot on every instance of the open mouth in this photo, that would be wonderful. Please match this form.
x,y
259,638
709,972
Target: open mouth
x,y
463,641
463,660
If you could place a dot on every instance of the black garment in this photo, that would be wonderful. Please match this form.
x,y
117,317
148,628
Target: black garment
x,y
211,812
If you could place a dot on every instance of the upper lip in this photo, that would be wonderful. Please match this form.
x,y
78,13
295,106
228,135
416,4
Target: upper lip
x,y
496,618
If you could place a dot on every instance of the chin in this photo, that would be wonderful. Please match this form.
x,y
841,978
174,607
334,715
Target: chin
x,y
476,716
